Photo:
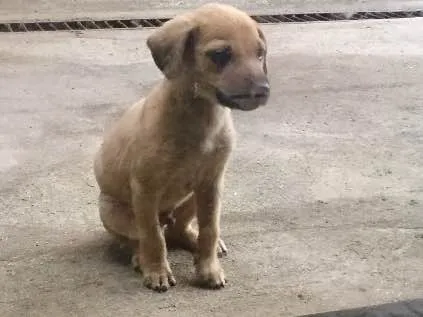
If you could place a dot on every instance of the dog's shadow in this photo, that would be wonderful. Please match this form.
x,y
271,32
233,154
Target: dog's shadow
x,y
181,261
116,253
101,259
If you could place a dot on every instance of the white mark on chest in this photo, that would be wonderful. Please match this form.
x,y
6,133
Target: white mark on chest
x,y
208,146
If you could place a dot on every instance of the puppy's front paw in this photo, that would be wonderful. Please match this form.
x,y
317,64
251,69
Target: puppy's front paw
x,y
210,274
159,280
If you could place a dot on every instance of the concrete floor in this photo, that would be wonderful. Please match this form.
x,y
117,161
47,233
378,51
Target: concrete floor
x,y
19,10
323,204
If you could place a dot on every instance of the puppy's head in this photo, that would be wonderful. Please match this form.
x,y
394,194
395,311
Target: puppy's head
x,y
221,49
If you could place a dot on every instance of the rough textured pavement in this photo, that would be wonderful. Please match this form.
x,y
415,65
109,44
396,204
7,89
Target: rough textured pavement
x,y
24,10
324,196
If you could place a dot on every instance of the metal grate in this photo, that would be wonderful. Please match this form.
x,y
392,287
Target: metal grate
x,y
80,25
150,23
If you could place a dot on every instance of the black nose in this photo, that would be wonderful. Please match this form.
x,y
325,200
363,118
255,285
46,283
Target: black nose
x,y
261,90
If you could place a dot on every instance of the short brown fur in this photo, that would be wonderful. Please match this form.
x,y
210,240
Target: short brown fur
x,y
167,155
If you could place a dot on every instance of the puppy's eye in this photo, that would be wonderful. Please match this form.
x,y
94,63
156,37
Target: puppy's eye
x,y
221,57
260,53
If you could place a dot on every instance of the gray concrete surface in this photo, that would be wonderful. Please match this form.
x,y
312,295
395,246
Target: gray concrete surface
x,y
323,204
26,10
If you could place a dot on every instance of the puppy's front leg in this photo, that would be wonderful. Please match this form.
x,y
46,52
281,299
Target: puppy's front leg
x,y
209,271
152,254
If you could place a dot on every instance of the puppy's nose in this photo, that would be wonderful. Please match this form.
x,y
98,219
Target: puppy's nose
x,y
261,90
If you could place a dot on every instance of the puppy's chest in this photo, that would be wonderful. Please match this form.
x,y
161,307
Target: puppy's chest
x,y
211,148
195,165
191,143
204,157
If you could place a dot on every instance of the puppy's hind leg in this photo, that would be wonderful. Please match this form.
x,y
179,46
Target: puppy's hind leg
x,y
119,221
181,233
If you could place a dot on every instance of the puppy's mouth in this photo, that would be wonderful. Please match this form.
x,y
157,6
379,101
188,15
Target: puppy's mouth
x,y
245,102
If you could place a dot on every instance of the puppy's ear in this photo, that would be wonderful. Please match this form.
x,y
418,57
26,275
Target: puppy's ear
x,y
263,38
173,46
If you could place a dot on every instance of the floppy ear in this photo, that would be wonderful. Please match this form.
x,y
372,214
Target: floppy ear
x,y
173,46
263,38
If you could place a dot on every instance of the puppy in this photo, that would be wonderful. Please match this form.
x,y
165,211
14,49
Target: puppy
x,y
168,153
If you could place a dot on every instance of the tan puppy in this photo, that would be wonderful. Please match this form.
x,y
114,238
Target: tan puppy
x,y
168,153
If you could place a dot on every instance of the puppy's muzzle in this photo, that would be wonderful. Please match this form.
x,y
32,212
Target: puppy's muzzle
x,y
256,96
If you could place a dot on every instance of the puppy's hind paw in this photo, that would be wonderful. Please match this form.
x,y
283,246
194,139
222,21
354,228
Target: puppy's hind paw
x,y
222,250
135,263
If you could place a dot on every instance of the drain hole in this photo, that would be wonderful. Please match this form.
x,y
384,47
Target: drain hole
x,y
149,23
75,25
61,26
18,27
113,24
101,24
33,27
90,25
5,28
46,26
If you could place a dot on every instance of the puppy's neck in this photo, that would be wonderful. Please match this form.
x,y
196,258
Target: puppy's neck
x,y
188,100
